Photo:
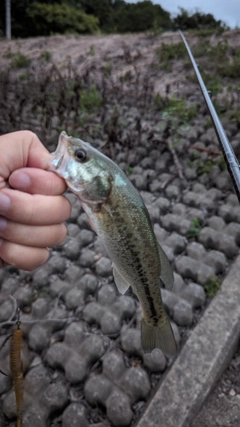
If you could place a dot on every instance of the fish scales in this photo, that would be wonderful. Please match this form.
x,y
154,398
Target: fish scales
x,y
118,215
116,224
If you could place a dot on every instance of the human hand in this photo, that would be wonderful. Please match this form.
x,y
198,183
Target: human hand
x,y
32,208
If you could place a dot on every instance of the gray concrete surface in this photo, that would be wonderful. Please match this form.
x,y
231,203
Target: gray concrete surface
x,y
202,360
219,410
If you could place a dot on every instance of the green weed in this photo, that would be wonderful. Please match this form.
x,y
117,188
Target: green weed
x,y
222,164
234,116
168,52
23,76
204,167
108,68
45,55
159,102
20,61
177,109
230,69
204,48
8,54
206,32
126,77
208,123
212,82
90,99
219,51
83,118
97,130
91,51
129,170
175,114
201,48
194,229
212,286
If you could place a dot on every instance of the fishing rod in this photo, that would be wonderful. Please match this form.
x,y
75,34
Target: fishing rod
x,y
228,153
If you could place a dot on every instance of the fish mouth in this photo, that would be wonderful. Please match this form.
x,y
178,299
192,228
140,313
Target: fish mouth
x,y
57,161
59,156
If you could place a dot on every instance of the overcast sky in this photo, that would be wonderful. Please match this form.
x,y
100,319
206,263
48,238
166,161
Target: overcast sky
x,y
226,10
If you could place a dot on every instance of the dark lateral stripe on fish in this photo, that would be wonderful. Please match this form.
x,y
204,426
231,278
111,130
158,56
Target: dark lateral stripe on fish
x,y
142,275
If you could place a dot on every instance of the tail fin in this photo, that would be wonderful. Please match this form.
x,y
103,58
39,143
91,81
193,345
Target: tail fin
x,y
158,337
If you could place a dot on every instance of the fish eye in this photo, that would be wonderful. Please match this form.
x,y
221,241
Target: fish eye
x,y
80,155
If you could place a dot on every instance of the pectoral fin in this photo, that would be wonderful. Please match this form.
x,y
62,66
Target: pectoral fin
x,y
121,283
166,276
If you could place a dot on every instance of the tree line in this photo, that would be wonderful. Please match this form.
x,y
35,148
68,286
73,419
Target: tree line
x,y
42,18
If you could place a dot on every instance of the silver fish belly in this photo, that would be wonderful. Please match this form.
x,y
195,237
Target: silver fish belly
x,y
118,215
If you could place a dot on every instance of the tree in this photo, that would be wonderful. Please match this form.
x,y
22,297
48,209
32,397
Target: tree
x,y
61,18
142,16
101,9
36,17
197,20
33,18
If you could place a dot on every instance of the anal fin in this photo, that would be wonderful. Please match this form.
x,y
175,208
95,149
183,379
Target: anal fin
x,y
121,283
166,277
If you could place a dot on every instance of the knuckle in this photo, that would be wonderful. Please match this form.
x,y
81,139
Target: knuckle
x,y
31,209
10,253
61,233
29,135
41,258
67,208
23,257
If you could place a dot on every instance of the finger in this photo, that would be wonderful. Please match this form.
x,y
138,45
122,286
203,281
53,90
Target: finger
x,y
24,257
21,149
37,181
34,209
30,235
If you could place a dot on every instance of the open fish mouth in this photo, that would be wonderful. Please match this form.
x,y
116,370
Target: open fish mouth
x,y
57,161
59,154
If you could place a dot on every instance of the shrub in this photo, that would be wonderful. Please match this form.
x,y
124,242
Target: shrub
x,y
45,55
168,52
61,18
90,99
20,61
230,69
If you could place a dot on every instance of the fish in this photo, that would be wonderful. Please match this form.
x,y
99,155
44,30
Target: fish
x,y
118,215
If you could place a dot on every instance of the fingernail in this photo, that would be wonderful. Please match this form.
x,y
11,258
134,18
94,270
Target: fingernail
x,y
23,181
4,202
3,223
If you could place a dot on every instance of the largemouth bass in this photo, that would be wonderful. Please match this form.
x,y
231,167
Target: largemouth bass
x,y
117,214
